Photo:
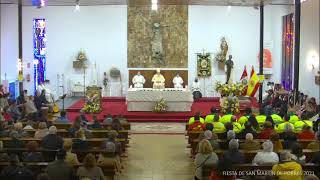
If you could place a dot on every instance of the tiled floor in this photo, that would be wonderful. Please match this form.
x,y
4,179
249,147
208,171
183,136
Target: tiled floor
x,y
160,128
157,157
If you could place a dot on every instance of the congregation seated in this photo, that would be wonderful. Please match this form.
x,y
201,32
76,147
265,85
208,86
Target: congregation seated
x,y
275,139
233,152
60,169
108,119
109,157
280,128
18,129
89,169
266,156
13,111
15,142
79,142
247,129
42,130
267,130
63,117
297,153
243,119
203,157
316,144
289,137
71,158
224,165
76,125
96,124
306,133
196,119
212,138
52,140
31,155
287,168
29,106
29,125
16,170
210,117
112,135
250,143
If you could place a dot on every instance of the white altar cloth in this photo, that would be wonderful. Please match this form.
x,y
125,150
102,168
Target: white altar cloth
x,y
145,99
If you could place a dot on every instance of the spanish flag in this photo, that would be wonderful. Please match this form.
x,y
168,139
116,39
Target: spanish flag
x,y
253,84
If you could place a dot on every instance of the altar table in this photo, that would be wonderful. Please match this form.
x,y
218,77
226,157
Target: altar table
x,y
146,98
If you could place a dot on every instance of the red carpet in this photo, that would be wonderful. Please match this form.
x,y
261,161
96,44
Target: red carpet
x,y
117,106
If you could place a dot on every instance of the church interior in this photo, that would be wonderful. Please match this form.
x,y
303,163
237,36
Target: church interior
x,y
159,89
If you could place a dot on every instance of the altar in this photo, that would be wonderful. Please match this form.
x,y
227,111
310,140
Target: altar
x,y
145,99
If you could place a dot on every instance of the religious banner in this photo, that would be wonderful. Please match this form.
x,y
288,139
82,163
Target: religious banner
x,y
204,64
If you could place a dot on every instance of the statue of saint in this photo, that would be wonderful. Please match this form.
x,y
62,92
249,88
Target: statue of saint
x,y
224,47
158,80
138,80
228,69
177,81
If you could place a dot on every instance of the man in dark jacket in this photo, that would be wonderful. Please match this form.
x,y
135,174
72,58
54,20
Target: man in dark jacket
x,y
52,140
59,169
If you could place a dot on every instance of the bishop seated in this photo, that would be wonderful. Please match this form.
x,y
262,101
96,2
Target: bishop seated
x,y
158,80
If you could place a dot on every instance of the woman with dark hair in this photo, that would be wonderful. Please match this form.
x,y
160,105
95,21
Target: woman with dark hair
x,y
269,118
75,127
224,165
297,153
116,125
247,129
90,169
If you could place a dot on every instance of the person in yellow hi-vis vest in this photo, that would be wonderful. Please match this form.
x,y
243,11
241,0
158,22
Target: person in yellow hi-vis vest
x,y
243,119
226,118
299,125
276,118
293,118
281,127
210,117
196,117
261,118
237,128
218,127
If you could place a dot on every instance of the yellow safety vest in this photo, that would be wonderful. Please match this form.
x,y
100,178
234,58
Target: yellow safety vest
x,y
191,120
226,118
210,118
293,119
281,127
243,119
218,127
299,125
237,128
261,119
277,119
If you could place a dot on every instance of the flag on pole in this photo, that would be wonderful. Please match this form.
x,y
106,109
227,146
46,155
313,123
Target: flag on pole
x,y
253,84
244,80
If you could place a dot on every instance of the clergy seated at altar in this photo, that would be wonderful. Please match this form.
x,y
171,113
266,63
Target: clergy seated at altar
x,y
158,80
177,82
138,80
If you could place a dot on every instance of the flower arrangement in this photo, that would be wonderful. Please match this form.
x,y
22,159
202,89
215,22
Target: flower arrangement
x,y
94,108
230,89
230,105
160,106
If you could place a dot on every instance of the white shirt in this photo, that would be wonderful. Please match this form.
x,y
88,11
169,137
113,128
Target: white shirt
x,y
195,86
138,81
266,158
178,82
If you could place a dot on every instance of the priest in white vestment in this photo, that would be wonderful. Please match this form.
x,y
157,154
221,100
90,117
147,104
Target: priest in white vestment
x,y
138,80
177,82
158,80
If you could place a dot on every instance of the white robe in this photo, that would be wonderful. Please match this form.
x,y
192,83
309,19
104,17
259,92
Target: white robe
x,y
49,95
195,86
178,82
138,81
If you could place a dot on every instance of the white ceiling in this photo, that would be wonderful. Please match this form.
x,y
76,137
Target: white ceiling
x,y
147,2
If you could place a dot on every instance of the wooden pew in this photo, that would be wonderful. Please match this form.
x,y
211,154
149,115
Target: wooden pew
x,y
125,125
254,170
99,133
39,167
93,142
223,143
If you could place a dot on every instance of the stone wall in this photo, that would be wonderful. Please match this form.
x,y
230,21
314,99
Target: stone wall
x,y
158,38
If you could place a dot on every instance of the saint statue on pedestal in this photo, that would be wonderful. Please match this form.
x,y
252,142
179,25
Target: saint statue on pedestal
x,y
228,69
138,80
158,80
177,81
